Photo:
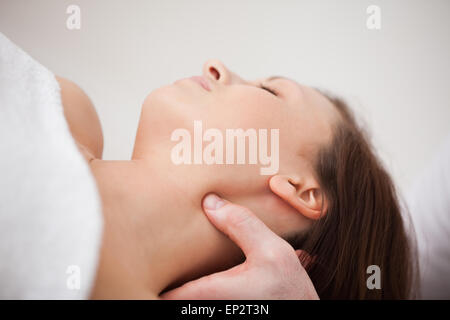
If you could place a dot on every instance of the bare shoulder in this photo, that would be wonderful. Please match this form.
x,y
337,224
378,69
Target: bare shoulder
x,y
82,118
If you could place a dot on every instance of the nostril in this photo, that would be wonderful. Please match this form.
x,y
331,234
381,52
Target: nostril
x,y
214,73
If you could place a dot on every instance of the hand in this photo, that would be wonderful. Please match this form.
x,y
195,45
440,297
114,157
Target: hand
x,y
272,269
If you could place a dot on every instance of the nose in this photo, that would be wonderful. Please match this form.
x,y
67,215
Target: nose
x,y
218,72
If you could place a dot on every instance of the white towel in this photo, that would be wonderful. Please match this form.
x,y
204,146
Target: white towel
x,y
50,212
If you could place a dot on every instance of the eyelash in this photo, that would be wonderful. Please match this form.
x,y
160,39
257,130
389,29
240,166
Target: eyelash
x,y
268,90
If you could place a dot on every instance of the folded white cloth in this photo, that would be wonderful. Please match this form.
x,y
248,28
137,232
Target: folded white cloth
x,y
50,210
429,205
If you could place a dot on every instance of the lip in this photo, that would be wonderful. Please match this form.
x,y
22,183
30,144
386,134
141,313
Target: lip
x,y
201,81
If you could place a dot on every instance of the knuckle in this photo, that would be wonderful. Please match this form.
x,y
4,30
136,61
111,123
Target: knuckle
x,y
282,269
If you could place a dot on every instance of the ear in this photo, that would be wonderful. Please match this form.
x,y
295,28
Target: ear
x,y
304,194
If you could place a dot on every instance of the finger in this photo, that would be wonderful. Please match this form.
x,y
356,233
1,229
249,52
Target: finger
x,y
221,285
242,227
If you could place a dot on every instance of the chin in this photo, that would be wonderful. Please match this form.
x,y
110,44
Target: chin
x,y
162,96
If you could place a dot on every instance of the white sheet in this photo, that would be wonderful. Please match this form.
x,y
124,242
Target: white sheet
x,y
429,204
50,213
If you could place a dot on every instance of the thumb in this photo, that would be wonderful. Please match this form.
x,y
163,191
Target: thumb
x,y
221,285
240,225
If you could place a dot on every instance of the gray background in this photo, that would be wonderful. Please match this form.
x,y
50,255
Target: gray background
x,y
396,78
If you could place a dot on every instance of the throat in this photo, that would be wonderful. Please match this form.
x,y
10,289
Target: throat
x,y
155,235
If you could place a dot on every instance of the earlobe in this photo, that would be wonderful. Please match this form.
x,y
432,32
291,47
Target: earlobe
x,y
304,194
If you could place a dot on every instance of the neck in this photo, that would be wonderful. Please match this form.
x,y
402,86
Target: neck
x,y
155,233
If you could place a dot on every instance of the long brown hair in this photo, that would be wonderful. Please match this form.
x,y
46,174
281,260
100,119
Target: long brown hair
x,y
363,225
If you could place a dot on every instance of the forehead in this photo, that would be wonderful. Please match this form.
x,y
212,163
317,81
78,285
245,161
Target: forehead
x,y
311,100
300,91
313,113
308,99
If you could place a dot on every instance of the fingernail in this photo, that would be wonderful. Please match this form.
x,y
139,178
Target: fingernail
x,y
213,202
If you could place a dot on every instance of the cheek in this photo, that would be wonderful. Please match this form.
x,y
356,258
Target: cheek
x,y
241,107
245,108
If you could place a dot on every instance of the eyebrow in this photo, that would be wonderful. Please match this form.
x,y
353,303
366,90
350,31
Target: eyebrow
x,y
285,78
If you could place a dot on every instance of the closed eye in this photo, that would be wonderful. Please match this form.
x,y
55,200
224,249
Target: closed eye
x,y
268,89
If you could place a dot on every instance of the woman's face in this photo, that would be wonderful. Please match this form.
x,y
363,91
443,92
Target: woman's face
x,y
222,100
